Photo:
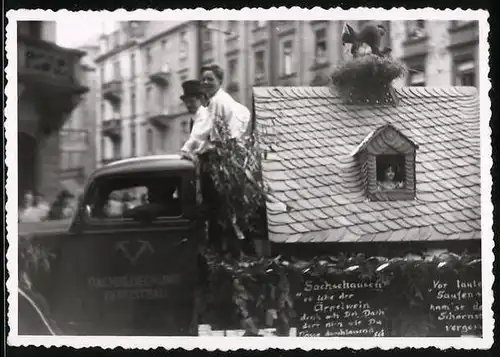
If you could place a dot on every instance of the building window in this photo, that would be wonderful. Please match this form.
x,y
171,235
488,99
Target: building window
x,y
103,148
415,29
148,98
133,139
416,77
103,111
116,70
132,65
132,104
390,172
116,149
117,111
103,78
320,46
287,57
207,38
149,139
260,67
149,59
164,140
161,100
233,70
465,73
183,48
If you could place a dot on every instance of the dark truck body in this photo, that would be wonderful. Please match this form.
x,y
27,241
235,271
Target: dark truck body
x,y
123,277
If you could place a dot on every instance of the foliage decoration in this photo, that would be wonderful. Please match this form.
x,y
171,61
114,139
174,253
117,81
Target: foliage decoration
x,y
235,169
35,258
261,287
367,78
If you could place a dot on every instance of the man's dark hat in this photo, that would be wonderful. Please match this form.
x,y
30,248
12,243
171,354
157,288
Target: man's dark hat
x,y
191,88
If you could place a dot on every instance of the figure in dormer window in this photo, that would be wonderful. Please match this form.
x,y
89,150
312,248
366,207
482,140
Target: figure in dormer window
x,y
389,181
390,172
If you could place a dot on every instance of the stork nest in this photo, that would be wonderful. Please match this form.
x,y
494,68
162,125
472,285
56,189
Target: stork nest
x,y
366,70
368,78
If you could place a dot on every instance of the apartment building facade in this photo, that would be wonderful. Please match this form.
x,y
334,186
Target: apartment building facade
x,y
437,53
152,118
49,88
138,106
77,137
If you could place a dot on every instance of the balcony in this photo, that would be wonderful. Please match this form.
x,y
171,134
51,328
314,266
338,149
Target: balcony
x,y
159,117
77,173
463,33
260,35
416,47
112,128
161,75
112,91
52,74
44,63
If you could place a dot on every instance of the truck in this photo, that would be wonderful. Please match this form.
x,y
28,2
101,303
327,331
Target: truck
x,y
133,273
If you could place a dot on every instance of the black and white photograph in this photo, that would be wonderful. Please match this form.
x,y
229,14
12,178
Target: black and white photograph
x,y
314,178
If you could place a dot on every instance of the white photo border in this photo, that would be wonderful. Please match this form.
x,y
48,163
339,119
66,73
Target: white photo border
x,y
250,343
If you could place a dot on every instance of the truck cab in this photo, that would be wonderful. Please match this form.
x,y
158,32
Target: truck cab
x,y
130,270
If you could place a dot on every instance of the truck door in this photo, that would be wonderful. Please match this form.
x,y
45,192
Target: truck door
x,y
130,266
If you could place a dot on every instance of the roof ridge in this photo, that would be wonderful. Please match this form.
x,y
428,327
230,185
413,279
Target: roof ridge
x,y
333,92
436,91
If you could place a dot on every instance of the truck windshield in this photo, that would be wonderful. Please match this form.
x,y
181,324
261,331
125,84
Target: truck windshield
x,y
135,198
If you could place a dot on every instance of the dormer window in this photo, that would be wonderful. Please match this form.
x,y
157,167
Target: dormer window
x,y
390,172
387,159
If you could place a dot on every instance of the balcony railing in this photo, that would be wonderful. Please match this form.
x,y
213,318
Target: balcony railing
x,y
72,173
260,34
160,75
112,128
159,117
112,90
47,63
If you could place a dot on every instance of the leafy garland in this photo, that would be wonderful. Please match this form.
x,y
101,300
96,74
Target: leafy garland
x,y
260,287
34,260
235,169
34,268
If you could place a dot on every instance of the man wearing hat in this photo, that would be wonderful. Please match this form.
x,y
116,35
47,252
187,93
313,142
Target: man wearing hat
x,y
198,145
193,98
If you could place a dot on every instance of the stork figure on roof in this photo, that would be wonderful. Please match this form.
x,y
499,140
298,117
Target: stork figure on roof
x,y
370,35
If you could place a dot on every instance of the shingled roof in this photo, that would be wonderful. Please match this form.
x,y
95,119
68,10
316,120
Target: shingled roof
x,y
309,135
